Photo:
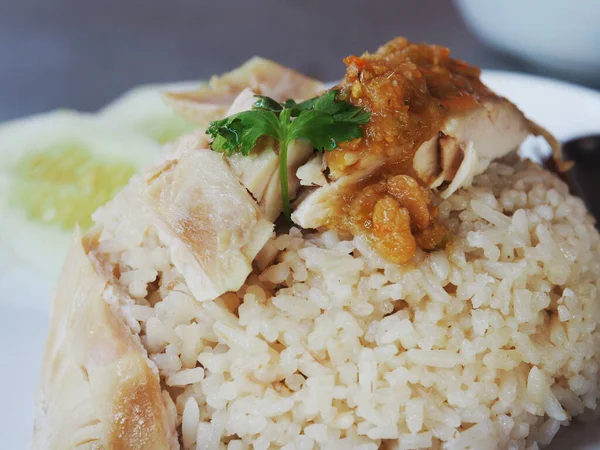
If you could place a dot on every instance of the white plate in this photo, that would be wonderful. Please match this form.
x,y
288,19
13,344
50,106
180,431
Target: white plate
x,y
564,109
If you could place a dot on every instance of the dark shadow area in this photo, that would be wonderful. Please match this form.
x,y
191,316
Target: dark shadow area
x,y
578,436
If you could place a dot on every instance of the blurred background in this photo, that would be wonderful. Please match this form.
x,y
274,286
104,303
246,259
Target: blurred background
x,y
82,54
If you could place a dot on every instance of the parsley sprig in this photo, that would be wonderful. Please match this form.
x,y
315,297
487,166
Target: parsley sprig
x,y
324,121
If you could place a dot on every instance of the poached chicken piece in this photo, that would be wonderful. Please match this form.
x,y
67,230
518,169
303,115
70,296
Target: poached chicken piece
x,y
212,224
432,121
259,171
235,92
83,401
263,76
433,125
467,143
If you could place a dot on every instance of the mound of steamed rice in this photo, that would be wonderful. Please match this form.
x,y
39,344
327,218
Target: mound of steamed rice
x,y
492,343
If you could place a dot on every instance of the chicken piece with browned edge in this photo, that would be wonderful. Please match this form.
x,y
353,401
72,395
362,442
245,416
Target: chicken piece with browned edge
x,y
432,121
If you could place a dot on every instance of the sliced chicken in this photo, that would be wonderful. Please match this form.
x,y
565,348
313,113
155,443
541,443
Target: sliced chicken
x,y
235,92
262,75
259,171
491,131
433,124
311,173
272,202
243,101
317,206
97,387
211,224
463,148
256,170
417,95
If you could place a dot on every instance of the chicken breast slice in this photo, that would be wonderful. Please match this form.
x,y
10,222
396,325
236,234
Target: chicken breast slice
x,y
312,172
255,170
262,75
259,171
489,132
313,208
211,224
464,148
272,201
97,389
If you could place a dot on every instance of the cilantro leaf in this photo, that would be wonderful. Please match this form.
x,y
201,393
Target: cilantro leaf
x,y
324,121
325,103
238,133
324,131
267,103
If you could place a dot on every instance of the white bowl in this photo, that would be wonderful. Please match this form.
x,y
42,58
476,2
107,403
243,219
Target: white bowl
x,y
560,35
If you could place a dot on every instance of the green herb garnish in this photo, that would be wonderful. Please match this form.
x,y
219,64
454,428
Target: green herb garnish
x,y
324,121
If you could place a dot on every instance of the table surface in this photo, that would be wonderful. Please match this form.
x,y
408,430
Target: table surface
x,y
81,54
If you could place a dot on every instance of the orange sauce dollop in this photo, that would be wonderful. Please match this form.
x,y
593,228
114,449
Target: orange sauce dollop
x,y
410,90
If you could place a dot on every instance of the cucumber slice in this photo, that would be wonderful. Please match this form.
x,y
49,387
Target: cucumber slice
x,y
55,170
142,109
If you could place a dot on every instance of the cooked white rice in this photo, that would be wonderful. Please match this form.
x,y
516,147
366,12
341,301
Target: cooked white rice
x,y
492,343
